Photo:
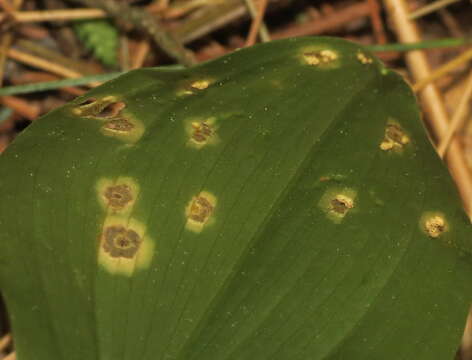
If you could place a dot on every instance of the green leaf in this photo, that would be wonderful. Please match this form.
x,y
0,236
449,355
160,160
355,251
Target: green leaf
x,y
282,202
101,37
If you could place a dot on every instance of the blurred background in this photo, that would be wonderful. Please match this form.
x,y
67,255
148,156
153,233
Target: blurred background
x,y
54,50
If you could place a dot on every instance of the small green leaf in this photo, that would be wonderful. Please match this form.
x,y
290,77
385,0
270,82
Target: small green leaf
x,y
101,37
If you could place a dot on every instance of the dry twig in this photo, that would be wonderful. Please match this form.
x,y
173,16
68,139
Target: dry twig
x,y
376,19
25,108
256,24
428,9
58,15
6,38
326,24
7,7
138,57
42,64
457,118
442,70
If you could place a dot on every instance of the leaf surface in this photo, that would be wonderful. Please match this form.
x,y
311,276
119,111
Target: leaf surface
x,y
281,202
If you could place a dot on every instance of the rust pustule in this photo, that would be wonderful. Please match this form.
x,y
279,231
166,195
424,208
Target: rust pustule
x,y
395,137
320,57
435,226
201,131
337,202
121,242
200,84
363,58
119,124
341,204
118,196
200,209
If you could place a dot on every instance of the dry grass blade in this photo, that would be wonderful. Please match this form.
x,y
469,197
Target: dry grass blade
x,y
7,38
138,57
4,47
42,64
9,8
263,32
58,15
27,109
256,24
457,118
328,23
442,70
376,19
427,9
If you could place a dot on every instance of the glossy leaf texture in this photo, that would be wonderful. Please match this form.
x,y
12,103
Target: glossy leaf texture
x,y
282,202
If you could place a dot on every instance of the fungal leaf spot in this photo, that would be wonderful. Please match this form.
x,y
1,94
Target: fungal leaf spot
x,y
200,84
106,107
199,211
363,58
337,203
121,242
119,125
194,86
395,137
124,127
111,110
117,196
320,57
434,224
341,204
124,246
202,132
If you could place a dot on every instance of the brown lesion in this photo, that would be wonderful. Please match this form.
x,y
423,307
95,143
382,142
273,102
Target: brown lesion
x,y
394,138
111,110
119,124
341,204
200,209
121,242
118,196
337,202
202,131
